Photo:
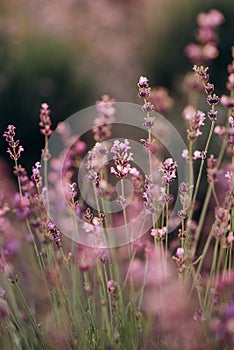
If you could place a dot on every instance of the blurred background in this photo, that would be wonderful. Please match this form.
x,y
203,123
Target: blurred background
x,y
69,53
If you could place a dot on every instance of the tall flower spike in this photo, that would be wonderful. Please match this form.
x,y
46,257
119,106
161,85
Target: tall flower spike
x,y
121,158
196,120
144,89
168,168
103,123
96,158
14,149
205,50
36,176
212,99
45,121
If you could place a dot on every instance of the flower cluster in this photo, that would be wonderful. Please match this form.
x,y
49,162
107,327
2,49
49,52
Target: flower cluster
x,y
185,198
121,158
206,48
54,234
45,121
212,172
161,100
144,88
195,120
72,190
112,289
154,196
222,217
202,74
93,226
103,123
212,99
103,256
180,259
26,185
223,325
105,295
159,233
22,206
168,168
144,92
36,176
96,158
15,149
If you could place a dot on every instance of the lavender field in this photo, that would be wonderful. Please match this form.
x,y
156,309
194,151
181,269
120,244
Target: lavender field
x,y
120,234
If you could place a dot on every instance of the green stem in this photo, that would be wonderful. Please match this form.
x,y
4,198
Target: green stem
x,y
31,318
144,282
201,169
205,250
167,218
125,215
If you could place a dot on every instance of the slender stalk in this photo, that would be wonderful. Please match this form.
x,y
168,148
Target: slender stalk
x,y
144,282
125,216
201,170
167,217
30,316
205,250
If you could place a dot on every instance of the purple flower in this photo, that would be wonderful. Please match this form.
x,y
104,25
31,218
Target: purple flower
x,y
45,121
213,99
221,214
209,88
22,206
15,149
144,89
211,19
201,73
153,195
149,122
185,187
54,233
230,83
180,252
26,185
111,287
36,176
143,82
227,101
103,123
72,190
159,233
122,202
168,168
206,48
106,106
96,158
121,158
195,120
148,107
212,115
103,257
231,121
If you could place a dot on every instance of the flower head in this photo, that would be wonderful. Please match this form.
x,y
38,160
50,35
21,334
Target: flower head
x,y
45,121
144,89
121,158
96,158
103,123
168,168
15,149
